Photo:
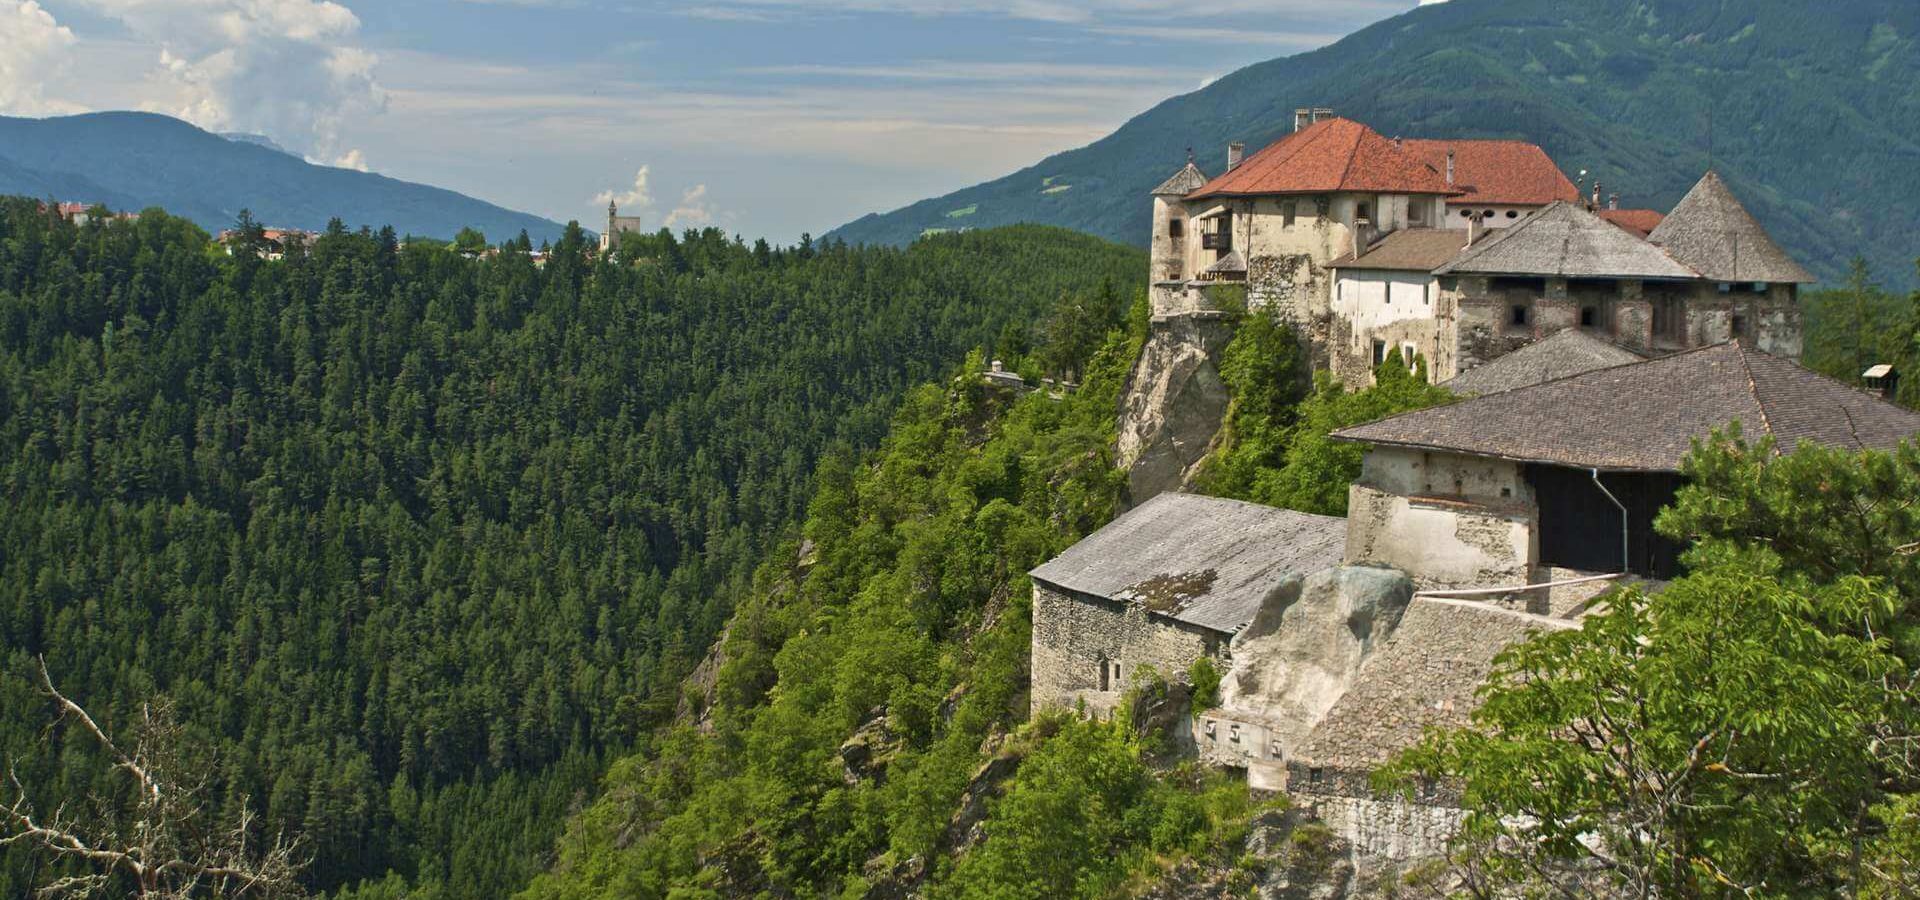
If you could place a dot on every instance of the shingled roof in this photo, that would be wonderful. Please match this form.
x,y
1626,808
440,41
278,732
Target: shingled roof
x,y
1563,353
1500,173
1428,674
1409,250
1201,560
1565,240
1183,182
1640,222
1331,155
1711,232
1645,416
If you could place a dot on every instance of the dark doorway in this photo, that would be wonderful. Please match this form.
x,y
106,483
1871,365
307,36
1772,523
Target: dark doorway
x,y
1580,527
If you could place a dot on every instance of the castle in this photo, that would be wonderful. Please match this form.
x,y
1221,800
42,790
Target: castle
x,y
1590,346
1459,251
618,225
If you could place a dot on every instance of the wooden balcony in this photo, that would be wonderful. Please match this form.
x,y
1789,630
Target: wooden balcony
x,y
1216,240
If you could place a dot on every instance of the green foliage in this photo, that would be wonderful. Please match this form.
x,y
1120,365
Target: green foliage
x,y
910,610
470,241
1205,679
417,544
1267,378
1744,728
1315,469
1859,325
1077,328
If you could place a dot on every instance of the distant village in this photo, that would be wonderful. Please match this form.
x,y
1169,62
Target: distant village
x,y
1590,345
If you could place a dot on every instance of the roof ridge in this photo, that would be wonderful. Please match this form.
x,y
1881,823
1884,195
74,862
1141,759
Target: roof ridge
x,y
1527,387
1753,387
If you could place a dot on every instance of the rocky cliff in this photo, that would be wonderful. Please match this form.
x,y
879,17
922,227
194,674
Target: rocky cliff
x,y
1174,405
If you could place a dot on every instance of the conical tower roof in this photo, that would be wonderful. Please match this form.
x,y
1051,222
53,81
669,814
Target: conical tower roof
x,y
1714,234
1183,182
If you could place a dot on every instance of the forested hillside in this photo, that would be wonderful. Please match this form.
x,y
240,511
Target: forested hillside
x,y
1808,108
417,543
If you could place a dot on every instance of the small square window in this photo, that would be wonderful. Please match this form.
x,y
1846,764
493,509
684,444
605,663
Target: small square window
x,y
1739,326
1177,227
1379,353
1289,210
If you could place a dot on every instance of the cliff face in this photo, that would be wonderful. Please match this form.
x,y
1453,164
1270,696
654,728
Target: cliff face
x,y
1174,405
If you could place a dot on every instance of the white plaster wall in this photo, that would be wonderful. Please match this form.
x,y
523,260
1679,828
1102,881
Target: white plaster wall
x,y
1442,546
1412,472
1499,219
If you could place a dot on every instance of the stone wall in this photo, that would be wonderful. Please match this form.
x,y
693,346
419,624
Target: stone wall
x,y
1390,828
1076,637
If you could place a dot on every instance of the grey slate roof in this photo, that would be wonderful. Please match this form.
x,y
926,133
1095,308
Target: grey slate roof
x,y
1563,353
1200,560
1183,182
1427,674
1408,250
1231,264
1565,240
1712,233
1644,416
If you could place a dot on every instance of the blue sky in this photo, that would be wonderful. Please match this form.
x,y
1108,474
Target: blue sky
x,y
766,117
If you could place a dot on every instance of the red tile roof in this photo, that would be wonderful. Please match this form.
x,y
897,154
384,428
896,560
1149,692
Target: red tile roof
x,y
1641,222
1331,155
1498,172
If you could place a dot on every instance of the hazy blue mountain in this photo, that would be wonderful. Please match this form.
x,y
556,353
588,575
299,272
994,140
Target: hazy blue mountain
x,y
1813,107
135,160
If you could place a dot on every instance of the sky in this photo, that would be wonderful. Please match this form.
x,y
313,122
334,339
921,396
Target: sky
x,y
764,117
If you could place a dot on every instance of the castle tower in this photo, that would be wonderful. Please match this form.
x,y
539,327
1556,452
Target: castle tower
x,y
1168,247
613,215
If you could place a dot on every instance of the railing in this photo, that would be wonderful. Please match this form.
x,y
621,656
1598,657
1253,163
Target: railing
x,y
1217,240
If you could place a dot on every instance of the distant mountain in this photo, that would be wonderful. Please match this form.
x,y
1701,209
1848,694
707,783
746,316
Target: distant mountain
x,y
1813,107
258,140
135,160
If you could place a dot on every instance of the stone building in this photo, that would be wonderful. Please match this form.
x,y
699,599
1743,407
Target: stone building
x,y
1427,675
618,225
1705,274
1273,221
1166,584
1568,474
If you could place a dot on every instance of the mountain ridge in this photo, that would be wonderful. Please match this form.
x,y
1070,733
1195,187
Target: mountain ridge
x,y
1812,106
133,160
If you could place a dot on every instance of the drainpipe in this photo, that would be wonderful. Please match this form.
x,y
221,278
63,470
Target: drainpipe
x,y
1626,525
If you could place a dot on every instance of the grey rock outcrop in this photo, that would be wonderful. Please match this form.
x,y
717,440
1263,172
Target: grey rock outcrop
x,y
1174,405
1304,648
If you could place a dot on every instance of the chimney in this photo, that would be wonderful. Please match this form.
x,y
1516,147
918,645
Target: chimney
x,y
1322,112
1449,167
1596,194
1613,202
1473,229
1882,380
1302,117
1236,152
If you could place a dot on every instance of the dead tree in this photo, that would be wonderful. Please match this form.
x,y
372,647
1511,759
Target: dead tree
x,y
157,841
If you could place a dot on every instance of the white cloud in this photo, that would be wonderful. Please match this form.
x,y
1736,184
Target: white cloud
x,y
694,209
633,201
290,69
34,51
